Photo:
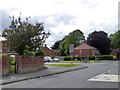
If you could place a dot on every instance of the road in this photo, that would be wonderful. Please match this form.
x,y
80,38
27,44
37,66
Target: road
x,y
83,78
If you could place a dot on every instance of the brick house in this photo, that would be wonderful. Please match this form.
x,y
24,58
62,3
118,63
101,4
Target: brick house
x,y
85,50
48,52
4,49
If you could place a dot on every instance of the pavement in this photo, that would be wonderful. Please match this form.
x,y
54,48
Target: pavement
x,y
47,71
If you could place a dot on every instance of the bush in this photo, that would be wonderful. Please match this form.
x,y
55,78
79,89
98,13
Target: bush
x,y
27,52
12,68
39,53
106,57
11,60
0,57
72,58
101,57
91,57
3,55
67,58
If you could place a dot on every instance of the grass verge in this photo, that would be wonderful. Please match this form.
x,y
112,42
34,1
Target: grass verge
x,y
89,61
64,65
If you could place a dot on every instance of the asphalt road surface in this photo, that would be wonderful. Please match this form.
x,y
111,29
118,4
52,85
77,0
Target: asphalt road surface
x,y
91,77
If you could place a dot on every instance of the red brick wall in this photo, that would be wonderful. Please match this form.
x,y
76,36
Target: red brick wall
x,y
24,65
84,52
29,64
5,65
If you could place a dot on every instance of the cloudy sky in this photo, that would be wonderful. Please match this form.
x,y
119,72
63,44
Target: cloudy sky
x,y
64,16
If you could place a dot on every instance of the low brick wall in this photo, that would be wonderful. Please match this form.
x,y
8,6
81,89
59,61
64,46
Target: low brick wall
x,y
5,65
28,64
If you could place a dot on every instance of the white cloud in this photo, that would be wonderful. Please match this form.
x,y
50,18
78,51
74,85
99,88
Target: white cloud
x,y
64,16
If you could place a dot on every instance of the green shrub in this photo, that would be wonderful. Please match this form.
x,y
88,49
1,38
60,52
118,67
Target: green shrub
x,y
106,57
12,68
2,55
27,52
100,57
91,57
11,60
39,53
67,58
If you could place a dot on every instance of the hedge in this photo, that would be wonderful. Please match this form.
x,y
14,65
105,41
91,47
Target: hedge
x,y
106,57
100,57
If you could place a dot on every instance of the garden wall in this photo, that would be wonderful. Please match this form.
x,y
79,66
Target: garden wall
x,y
5,65
29,64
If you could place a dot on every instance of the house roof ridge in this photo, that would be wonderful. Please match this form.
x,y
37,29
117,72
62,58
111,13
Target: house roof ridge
x,y
84,46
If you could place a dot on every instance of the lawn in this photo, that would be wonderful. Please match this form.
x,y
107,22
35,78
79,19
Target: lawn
x,y
64,65
89,61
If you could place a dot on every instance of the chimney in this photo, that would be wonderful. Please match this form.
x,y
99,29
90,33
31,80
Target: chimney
x,y
45,45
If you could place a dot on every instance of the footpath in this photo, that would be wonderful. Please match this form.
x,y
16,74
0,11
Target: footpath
x,y
47,71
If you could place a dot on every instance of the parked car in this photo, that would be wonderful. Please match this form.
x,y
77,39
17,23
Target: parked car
x,y
48,59
56,59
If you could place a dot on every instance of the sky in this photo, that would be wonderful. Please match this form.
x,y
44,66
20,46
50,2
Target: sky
x,y
63,16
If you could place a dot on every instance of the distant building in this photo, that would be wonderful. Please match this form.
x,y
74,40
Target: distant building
x,y
4,49
85,50
57,52
48,52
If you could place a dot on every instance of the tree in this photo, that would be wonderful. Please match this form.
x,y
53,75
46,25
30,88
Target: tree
x,y
100,40
76,37
56,45
115,39
62,46
115,42
21,33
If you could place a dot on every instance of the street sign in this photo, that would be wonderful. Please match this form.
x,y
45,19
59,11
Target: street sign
x,y
71,48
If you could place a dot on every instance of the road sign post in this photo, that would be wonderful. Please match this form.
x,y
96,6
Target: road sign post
x,y
71,49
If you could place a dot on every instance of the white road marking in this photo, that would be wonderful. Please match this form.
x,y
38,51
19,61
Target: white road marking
x,y
106,78
110,70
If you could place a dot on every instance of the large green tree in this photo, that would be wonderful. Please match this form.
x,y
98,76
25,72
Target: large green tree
x,y
76,37
115,43
21,33
115,39
55,46
99,40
